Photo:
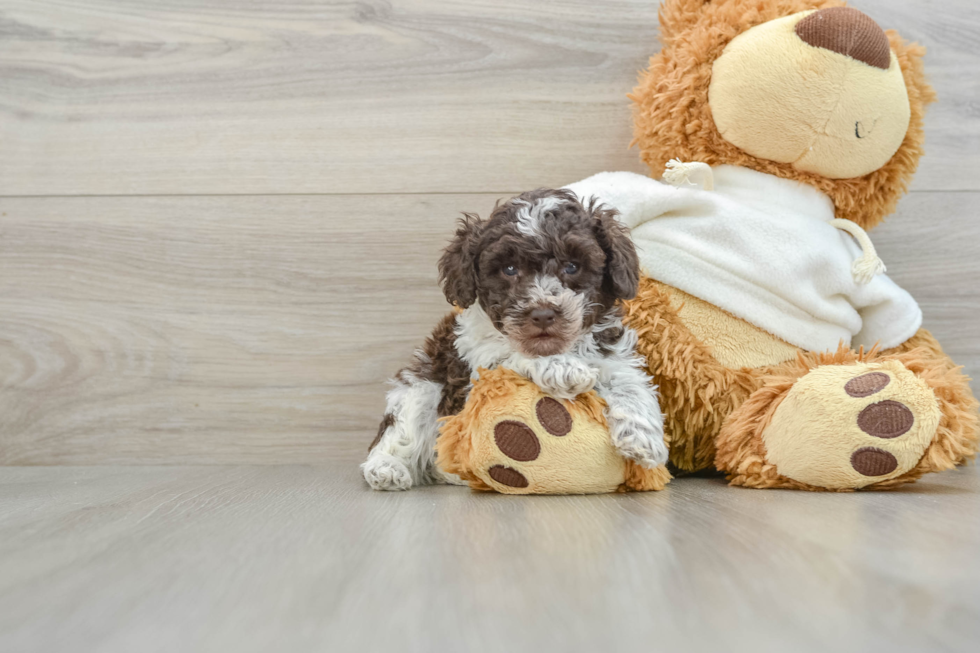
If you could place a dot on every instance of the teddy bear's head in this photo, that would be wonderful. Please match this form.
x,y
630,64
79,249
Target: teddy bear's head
x,y
808,90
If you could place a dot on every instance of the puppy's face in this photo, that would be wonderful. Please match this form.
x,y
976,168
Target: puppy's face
x,y
544,267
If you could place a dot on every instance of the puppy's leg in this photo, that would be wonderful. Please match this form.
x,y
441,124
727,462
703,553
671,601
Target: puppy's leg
x,y
563,375
435,384
404,452
633,412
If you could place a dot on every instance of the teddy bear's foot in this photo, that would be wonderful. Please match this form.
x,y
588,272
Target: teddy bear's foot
x,y
514,438
562,449
849,426
527,453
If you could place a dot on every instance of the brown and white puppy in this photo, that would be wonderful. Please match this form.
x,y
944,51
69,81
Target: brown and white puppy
x,y
539,283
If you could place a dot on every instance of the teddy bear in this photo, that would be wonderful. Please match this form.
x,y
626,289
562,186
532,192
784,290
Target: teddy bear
x,y
513,438
785,357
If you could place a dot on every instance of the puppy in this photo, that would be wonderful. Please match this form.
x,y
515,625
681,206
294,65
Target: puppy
x,y
538,283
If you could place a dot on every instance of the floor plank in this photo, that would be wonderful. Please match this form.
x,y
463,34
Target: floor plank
x,y
262,329
307,96
300,558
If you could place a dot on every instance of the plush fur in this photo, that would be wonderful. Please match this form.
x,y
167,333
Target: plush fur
x,y
740,447
697,393
583,461
536,286
672,117
735,342
707,404
720,407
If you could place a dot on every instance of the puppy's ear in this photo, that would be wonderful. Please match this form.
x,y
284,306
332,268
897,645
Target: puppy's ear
x,y
457,266
622,274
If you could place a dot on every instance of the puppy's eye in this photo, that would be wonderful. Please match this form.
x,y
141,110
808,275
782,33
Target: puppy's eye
x,y
571,268
509,270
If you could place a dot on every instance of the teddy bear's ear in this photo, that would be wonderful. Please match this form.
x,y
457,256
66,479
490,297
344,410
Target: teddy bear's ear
x,y
678,15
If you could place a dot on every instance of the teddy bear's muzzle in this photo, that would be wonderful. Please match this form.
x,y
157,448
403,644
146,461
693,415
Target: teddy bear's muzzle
x,y
821,91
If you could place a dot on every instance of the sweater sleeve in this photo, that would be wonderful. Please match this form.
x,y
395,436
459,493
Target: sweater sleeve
x,y
889,314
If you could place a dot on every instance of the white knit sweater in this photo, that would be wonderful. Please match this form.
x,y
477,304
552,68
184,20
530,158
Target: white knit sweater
x,y
763,249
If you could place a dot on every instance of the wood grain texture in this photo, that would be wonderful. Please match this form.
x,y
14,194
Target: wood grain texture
x,y
209,329
302,558
259,191
307,96
262,329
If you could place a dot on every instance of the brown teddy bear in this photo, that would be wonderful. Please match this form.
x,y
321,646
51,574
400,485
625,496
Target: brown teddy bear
x,y
784,357
513,438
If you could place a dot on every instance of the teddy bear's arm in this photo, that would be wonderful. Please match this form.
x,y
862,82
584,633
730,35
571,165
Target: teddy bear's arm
x,y
889,314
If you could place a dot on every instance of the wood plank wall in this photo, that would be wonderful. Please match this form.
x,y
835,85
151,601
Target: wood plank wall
x,y
219,221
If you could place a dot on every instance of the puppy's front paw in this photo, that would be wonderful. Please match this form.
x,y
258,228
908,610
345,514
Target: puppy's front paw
x,y
384,472
567,378
641,444
581,379
561,376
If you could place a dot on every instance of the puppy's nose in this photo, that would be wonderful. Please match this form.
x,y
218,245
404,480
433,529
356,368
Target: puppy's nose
x,y
543,317
848,32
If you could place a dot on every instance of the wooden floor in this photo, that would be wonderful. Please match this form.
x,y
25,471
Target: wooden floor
x,y
303,558
218,230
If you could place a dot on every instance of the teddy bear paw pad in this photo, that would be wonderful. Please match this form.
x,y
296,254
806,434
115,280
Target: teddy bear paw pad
x,y
507,476
886,419
867,384
871,461
553,417
849,426
516,440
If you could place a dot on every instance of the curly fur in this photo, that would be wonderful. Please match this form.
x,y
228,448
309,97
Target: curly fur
x,y
536,287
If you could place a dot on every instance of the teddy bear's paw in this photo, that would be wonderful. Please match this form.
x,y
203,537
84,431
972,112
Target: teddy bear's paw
x,y
849,426
384,472
544,449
